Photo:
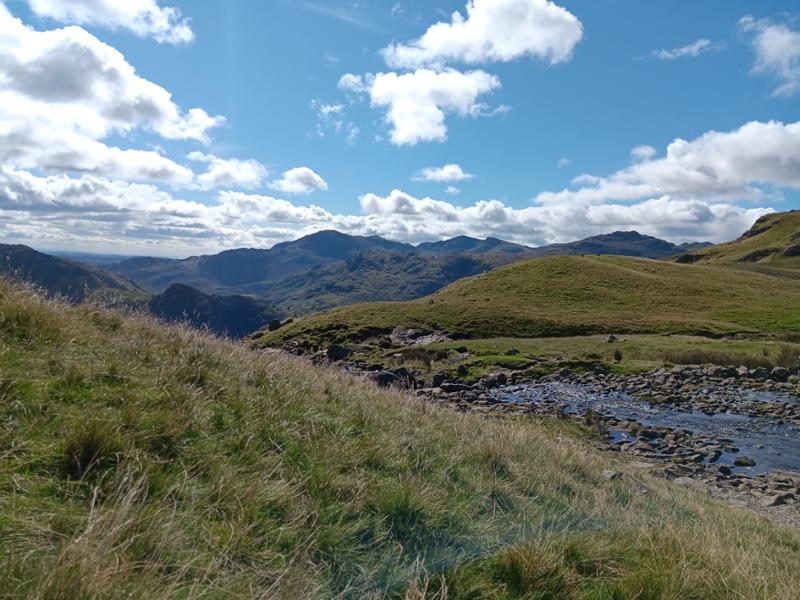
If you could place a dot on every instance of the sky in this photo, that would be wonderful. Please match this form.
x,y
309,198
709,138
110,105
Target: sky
x,y
177,127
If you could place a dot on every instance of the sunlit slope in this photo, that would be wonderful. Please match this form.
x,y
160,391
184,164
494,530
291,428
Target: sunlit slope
x,y
772,243
574,296
142,461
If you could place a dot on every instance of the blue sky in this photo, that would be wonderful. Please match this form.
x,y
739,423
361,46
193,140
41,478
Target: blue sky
x,y
300,149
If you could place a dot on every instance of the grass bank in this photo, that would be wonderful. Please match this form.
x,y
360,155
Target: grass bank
x,y
572,296
150,462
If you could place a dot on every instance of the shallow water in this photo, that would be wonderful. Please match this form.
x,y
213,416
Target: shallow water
x,y
772,444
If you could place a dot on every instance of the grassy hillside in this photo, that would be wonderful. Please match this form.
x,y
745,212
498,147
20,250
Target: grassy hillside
x,y
562,296
771,245
72,280
140,461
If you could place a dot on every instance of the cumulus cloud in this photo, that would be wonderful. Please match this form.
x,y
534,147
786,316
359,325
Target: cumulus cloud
x,y
493,31
446,174
777,49
95,211
229,172
418,102
63,91
300,180
692,50
643,153
332,118
744,164
452,190
145,18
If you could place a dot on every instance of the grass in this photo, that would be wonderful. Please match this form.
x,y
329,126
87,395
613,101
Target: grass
x,y
772,245
573,296
476,358
143,461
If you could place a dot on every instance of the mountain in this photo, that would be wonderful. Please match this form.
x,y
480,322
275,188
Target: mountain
x,y
313,273
251,271
75,281
568,295
464,244
142,461
622,243
231,316
771,245
375,276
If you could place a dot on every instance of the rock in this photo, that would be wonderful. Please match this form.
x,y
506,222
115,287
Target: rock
x,y
494,380
611,339
760,374
455,387
439,379
511,352
689,482
780,374
611,475
403,336
777,500
437,337
744,461
274,325
336,353
723,372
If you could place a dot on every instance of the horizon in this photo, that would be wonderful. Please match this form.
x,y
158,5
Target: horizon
x,y
67,252
171,128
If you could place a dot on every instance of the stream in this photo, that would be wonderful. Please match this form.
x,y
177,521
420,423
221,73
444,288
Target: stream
x,y
773,444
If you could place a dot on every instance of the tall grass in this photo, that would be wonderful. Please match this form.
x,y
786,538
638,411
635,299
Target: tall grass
x,y
143,461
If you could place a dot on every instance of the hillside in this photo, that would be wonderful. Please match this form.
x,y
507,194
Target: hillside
x,y
376,276
622,243
771,245
233,316
561,296
143,461
72,280
248,270
329,269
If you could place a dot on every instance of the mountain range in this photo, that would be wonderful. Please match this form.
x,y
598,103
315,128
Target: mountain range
x,y
239,291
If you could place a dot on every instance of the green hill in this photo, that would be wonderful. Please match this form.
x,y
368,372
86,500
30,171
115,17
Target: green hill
x,y
561,296
142,461
771,245
72,280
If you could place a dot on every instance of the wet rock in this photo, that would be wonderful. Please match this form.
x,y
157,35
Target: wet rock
x,y
759,374
744,461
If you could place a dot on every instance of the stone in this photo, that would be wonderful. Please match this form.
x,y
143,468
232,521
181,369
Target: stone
x,y
760,374
494,380
274,325
744,461
336,353
611,475
777,500
611,339
780,374
439,379
455,387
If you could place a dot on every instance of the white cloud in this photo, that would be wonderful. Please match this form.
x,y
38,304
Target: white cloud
x,y
445,174
300,180
493,31
96,212
332,118
693,50
564,162
743,164
777,50
417,102
63,91
452,190
230,172
145,18
643,153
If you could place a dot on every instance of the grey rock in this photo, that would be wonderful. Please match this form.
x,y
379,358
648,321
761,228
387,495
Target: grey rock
x,y
744,461
336,353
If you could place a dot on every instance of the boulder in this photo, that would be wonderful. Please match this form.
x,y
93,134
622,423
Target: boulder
x,y
780,374
760,374
494,380
274,325
336,353
744,461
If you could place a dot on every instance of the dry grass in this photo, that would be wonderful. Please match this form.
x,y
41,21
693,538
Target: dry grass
x,y
151,462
